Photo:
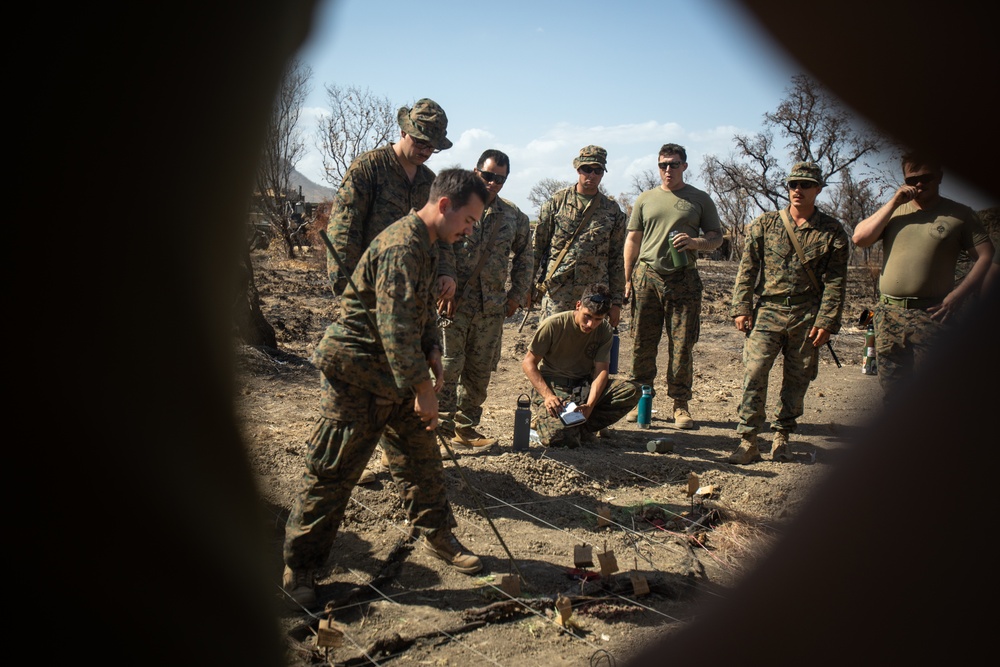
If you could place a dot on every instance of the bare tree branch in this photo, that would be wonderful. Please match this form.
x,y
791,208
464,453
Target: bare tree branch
x,y
358,122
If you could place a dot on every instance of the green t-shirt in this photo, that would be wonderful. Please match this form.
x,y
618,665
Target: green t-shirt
x,y
657,212
566,352
921,248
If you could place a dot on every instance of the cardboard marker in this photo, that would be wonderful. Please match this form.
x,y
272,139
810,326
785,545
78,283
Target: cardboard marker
x,y
583,555
603,516
693,484
511,585
329,634
609,564
639,584
565,608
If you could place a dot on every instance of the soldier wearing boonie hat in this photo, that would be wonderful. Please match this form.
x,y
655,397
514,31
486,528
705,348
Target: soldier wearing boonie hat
x,y
594,246
425,121
383,185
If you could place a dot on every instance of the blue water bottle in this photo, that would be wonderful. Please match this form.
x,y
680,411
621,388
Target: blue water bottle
x,y
613,366
645,407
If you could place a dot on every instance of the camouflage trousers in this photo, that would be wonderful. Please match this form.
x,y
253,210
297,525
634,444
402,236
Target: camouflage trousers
x,y
471,352
618,398
904,337
341,444
674,300
783,329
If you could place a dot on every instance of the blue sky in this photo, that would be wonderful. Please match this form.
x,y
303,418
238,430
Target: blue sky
x,y
541,79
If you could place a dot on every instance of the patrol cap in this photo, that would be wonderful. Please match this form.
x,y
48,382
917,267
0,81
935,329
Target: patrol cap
x,y
591,155
425,121
806,171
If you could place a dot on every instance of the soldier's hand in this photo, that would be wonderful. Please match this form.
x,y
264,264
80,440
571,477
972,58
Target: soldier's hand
x,y
628,290
554,405
437,368
743,323
425,404
512,307
446,287
615,316
446,307
819,336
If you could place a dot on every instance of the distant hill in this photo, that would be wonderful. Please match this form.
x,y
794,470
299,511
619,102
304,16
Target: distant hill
x,y
313,192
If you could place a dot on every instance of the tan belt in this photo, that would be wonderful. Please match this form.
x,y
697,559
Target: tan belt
x,y
789,300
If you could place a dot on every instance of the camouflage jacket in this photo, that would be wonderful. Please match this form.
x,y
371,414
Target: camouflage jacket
x,y
596,255
374,194
771,267
511,247
396,280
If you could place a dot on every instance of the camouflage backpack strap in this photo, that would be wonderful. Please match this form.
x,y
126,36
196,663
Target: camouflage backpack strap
x,y
798,249
587,215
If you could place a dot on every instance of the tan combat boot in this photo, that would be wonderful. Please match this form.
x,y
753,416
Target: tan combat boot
x,y
747,452
300,586
781,449
468,436
445,545
633,415
682,418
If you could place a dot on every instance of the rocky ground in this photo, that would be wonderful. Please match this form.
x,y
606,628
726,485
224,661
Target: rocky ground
x,y
685,524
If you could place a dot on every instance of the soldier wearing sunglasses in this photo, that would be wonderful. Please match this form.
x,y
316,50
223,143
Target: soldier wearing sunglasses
x,y
475,315
669,223
922,234
593,250
799,305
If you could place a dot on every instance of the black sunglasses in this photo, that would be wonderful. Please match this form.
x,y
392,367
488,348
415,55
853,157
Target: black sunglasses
x,y
676,164
591,170
424,145
801,185
919,179
490,177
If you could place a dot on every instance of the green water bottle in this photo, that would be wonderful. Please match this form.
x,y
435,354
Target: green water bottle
x,y
679,258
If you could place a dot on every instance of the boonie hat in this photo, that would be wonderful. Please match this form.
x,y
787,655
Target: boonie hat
x,y
425,121
806,171
591,155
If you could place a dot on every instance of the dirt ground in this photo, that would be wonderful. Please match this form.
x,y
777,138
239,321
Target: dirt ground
x,y
610,501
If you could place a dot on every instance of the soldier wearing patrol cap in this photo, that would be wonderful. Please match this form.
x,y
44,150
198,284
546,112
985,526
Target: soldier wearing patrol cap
x,y
593,250
792,316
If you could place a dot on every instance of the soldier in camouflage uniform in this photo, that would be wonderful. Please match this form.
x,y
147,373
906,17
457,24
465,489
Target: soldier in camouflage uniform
x,y
385,184
568,361
791,317
922,234
661,291
382,186
472,322
594,255
378,383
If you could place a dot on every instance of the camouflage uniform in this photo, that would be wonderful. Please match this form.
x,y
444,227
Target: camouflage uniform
x,y
617,399
472,339
671,296
770,267
375,193
595,256
367,392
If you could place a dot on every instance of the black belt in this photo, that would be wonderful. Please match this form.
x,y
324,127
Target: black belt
x,y
909,301
789,300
